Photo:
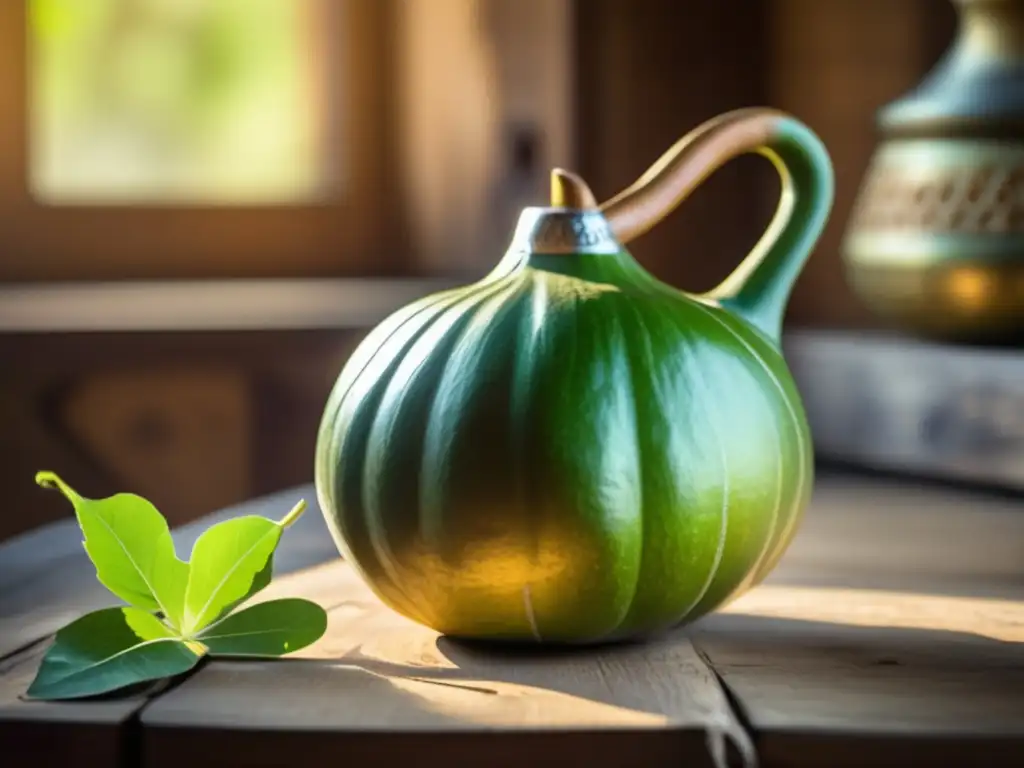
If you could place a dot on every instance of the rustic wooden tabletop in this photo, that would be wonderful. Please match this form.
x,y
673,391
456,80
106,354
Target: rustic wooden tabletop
x,y
891,634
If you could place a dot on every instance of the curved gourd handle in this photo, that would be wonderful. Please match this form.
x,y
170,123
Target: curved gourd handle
x,y
759,288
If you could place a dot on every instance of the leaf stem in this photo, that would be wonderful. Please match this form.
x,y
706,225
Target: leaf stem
x,y
198,648
47,479
294,514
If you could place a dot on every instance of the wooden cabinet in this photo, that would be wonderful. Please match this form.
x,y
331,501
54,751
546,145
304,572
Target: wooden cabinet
x,y
193,422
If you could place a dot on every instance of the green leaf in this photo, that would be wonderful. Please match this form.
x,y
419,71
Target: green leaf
x,y
106,650
273,628
146,626
128,541
231,562
260,580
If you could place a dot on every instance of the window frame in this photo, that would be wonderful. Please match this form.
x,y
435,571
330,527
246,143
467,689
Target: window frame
x,y
356,232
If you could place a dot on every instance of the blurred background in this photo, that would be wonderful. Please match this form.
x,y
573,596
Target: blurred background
x,y
205,205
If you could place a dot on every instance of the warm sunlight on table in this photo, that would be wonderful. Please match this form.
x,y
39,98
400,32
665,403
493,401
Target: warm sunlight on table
x,y
995,619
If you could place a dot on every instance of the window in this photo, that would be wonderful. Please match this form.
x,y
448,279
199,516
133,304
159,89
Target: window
x,y
188,138
162,101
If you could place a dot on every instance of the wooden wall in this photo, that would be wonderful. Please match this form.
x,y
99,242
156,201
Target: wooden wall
x,y
194,422
650,70
835,64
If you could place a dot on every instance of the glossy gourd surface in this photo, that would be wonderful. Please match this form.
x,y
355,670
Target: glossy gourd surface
x,y
567,451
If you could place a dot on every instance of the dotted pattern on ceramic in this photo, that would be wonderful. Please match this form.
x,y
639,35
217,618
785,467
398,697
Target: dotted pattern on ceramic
x,y
986,199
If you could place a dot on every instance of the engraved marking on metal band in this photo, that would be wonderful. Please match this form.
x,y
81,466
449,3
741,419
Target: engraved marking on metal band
x,y
562,231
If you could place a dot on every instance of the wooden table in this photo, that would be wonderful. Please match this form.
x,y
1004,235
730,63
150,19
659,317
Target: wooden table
x,y
891,634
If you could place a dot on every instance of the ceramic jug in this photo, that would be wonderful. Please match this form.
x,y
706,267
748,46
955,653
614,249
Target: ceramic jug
x,y
935,245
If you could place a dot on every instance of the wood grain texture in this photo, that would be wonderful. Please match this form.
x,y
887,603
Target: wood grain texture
x,y
185,431
27,444
890,634
909,536
899,649
380,687
863,693
649,71
207,306
41,600
955,413
36,733
289,374
834,65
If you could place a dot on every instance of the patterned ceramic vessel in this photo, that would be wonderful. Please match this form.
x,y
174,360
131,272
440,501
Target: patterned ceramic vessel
x,y
936,241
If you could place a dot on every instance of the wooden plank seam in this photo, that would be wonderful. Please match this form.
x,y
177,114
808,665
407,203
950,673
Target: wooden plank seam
x,y
746,737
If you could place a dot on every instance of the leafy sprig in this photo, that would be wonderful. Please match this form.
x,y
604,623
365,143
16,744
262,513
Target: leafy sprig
x,y
177,612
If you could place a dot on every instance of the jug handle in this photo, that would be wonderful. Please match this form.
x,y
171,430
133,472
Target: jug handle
x,y
759,288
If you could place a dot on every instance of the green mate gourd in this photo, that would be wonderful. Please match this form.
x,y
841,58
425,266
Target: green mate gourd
x,y
570,451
